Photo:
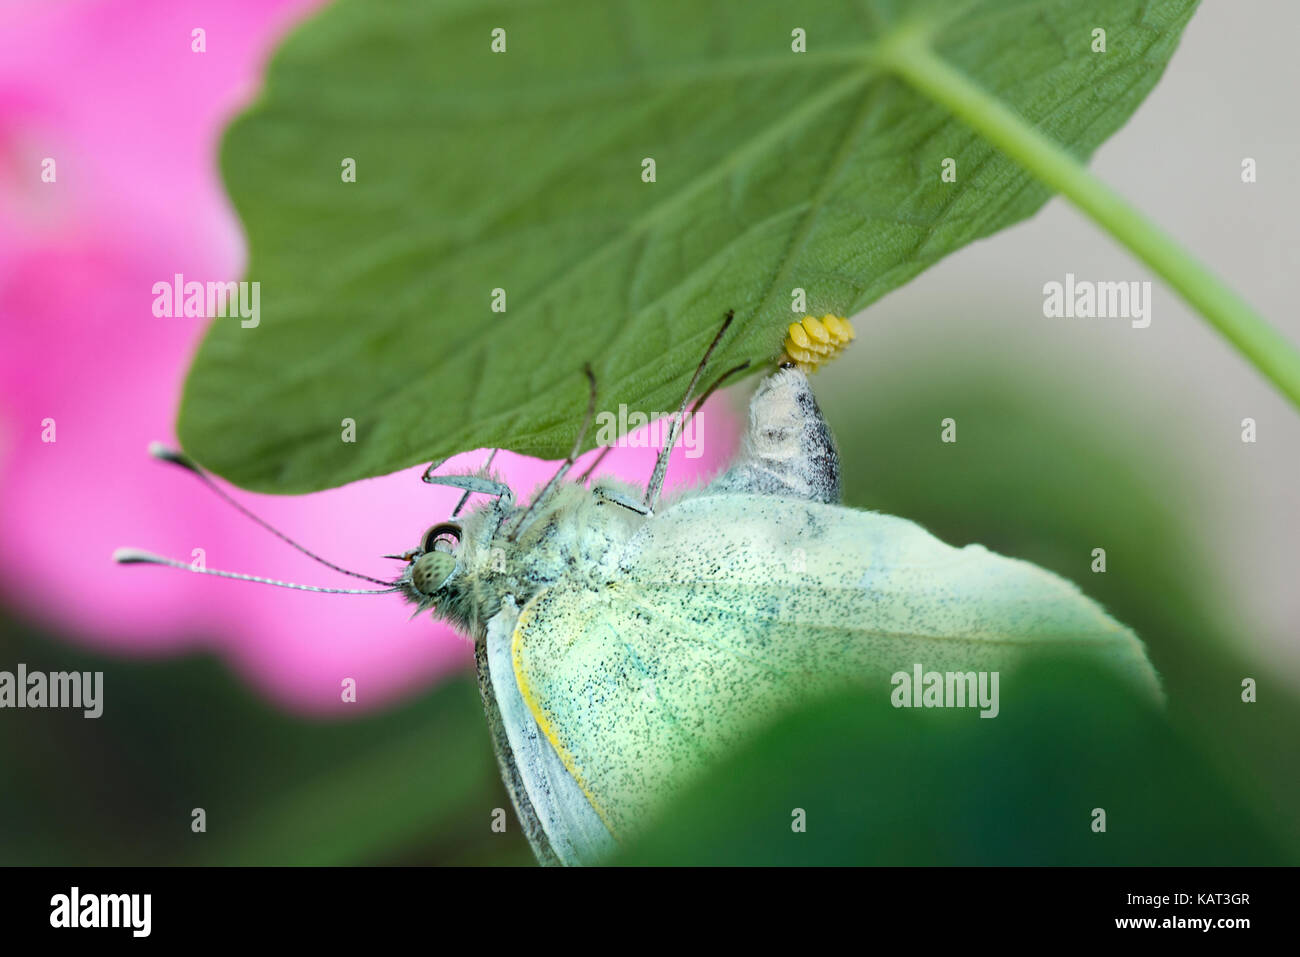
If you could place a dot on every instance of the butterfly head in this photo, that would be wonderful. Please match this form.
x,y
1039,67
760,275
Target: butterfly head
x,y
432,563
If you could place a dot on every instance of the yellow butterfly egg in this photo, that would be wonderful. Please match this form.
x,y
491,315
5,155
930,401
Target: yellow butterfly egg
x,y
811,341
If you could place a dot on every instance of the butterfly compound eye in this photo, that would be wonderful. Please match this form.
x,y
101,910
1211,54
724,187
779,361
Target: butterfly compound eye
x,y
441,538
431,570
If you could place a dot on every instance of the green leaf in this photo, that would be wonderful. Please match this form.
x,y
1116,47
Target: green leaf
x,y
943,787
416,783
523,171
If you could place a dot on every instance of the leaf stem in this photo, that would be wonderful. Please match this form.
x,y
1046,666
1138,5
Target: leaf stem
x,y
912,58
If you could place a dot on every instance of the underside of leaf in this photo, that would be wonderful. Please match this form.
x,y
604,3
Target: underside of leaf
x,y
520,177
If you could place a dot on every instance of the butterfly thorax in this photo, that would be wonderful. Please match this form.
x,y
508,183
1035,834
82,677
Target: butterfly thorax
x,y
572,540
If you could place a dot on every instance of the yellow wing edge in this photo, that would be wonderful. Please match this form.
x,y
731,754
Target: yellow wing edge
x,y
530,699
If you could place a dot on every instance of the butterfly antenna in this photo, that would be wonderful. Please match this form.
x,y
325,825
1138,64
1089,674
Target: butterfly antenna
x,y
133,556
568,463
172,456
661,464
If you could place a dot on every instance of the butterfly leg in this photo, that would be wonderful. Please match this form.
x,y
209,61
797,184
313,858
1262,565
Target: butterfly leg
x,y
473,483
704,397
465,498
656,485
788,449
541,496
615,497
594,465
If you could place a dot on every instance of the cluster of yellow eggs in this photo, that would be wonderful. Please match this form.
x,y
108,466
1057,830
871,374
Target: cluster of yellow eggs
x,y
811,342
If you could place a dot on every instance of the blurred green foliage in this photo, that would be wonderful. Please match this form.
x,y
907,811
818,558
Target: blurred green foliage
x,y
414,784
1047,469
884,786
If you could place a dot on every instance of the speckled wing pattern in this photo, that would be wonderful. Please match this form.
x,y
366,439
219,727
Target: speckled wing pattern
x,y
558,820
730,608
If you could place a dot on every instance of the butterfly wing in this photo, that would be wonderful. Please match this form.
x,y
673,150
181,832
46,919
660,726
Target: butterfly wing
x,y
728,609
557,818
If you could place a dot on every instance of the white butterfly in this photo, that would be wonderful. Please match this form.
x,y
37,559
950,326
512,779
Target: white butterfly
x,y
623,645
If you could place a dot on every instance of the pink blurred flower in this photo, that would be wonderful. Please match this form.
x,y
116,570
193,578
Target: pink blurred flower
x,y
112,92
